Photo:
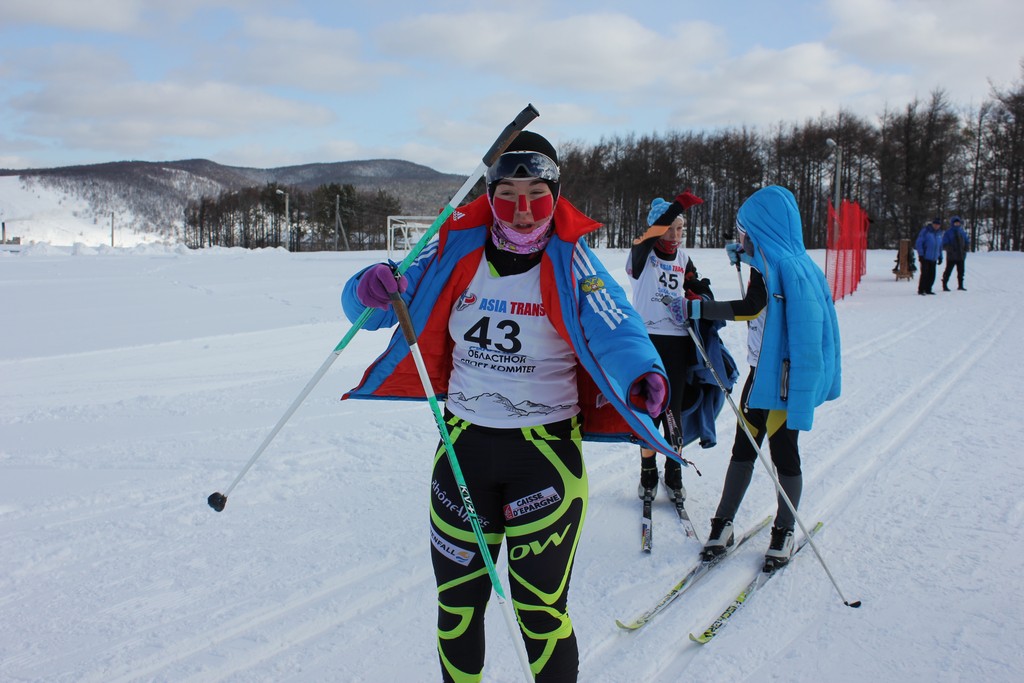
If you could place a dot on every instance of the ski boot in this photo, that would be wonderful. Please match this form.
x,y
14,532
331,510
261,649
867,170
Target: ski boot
x,y
720,539
779,550
648,487
674,481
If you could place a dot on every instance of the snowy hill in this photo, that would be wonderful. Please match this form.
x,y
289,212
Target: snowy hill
x,y
144,202
34,211
135,382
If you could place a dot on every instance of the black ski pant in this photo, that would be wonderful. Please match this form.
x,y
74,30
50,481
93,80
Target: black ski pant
x,y
678,354
528,486
785,455
927,281
950,264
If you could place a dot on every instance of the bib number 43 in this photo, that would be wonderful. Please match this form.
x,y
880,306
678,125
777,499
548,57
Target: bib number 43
x,y
506,331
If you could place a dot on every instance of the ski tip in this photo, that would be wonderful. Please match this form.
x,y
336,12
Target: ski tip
x,y
700,640
628,627
855,603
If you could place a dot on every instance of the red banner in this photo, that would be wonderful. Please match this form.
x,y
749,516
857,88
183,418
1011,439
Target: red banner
x,y
846,252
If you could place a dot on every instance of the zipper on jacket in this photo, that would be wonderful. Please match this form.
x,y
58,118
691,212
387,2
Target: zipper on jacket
x,y
784,380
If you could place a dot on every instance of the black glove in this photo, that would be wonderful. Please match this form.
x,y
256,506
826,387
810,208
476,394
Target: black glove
x,y
698,287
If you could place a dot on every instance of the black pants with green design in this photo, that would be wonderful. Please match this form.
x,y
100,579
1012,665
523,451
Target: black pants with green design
x,y
528,486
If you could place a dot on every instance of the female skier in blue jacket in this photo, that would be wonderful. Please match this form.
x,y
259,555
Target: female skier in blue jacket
x,y
794,355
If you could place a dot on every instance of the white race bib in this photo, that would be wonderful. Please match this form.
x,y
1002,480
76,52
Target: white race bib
x,y
510,367
660,279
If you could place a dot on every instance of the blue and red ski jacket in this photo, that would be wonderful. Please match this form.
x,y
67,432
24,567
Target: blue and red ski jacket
x,y
586,306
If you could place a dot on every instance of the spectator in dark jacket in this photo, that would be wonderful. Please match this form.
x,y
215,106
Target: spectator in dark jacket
x,y
929,252
955,242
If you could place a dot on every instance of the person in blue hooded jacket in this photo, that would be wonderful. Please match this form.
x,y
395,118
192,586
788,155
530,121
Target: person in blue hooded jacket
x,y
955,242
794,354
929,253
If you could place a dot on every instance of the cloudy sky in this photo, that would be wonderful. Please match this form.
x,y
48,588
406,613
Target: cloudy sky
x,y
264,84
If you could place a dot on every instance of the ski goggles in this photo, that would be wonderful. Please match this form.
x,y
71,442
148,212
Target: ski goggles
x,y
523,165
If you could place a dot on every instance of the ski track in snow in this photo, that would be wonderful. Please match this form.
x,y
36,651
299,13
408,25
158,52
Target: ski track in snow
x,y
123,405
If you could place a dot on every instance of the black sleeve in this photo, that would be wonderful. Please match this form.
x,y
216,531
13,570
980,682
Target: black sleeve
x,y
690,268
746,308
638,256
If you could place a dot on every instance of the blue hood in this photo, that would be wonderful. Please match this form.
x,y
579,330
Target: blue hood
x,y
799,361
771,218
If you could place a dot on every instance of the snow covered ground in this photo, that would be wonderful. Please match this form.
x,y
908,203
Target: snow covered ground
x,y
135,382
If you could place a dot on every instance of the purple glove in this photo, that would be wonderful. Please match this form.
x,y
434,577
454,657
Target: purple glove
x,y
650,393
376,284
677,310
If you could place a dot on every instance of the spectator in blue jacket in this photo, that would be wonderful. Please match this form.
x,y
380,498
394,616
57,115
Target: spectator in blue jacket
x,y
955,242
929,252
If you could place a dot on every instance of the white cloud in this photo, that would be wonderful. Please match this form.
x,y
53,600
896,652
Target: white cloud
x,y
956,46
764,86
69,64
299,54
606,52
109,15
112,16
132,117
16,153
257,78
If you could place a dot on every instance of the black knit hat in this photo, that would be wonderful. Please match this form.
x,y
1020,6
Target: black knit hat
x,y
528,141
518,151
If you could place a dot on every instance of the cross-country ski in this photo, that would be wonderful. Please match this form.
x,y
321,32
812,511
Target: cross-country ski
x,y
693,576
763,576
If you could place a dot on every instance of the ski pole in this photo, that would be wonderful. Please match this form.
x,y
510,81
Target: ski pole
x,y
405,322
218,500
739,273
764,461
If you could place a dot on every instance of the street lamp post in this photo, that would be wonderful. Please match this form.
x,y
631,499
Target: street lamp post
x,y
338,225
288,216
836,179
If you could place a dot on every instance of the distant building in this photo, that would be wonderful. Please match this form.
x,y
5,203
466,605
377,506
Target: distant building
x,y
3,235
